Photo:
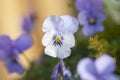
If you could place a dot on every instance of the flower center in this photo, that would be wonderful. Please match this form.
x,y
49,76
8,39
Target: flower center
x,y
57,40
14,59
92,21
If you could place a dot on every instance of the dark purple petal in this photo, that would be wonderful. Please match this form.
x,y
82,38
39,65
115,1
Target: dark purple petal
x,y
66,77
13,66
23,42
89,4
5,47
27,24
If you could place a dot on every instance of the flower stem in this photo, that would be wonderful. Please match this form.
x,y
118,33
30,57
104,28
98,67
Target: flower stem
x,y
61,78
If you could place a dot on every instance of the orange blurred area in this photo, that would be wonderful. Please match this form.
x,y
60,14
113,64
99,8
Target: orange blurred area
x,y
11,12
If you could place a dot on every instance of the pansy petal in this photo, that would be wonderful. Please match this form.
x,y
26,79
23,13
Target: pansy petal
x,y
110,77
51,50
89,4
105,65
48,37
99,28
97,4
5,46
63,52
83,4
23,42
14,66
86,69
69,40
82,17
5,42
52,22
88,30
27,24
3,55
70,24
100,15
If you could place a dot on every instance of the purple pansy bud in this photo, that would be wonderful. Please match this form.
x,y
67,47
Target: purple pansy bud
x,y
56,75
65,72
28,22
60,70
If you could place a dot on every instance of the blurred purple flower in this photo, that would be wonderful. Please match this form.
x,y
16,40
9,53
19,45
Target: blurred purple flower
x,y
10,51
59,37
28,22
100,69
91,21
91,16
89,4
60,70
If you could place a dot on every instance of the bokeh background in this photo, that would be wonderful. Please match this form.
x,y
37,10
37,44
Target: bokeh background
x,y
40,66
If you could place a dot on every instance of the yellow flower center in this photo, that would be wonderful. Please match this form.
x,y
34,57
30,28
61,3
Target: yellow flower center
x,y
58,39
92,20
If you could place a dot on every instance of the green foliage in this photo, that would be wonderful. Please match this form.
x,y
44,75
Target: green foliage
x,y
42,69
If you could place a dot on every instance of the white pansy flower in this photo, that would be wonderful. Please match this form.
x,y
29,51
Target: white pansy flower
x,y
59,37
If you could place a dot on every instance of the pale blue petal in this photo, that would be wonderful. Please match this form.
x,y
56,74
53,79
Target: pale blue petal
x,y
51,50
48,37
110,77
52,22
88,30
63,51
86,69
70,24
105,65
69,40
99,28
83,18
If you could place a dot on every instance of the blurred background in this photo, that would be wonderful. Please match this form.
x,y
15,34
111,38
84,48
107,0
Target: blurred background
x,y
40,66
